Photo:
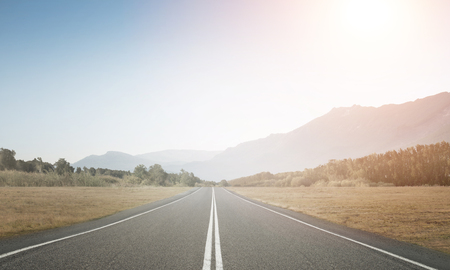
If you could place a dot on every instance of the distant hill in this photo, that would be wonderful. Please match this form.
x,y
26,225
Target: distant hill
x,y
112,160
179,156
172,159
349,132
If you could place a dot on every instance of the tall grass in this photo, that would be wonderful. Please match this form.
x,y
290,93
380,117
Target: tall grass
x,y
31,209
281,180
52,179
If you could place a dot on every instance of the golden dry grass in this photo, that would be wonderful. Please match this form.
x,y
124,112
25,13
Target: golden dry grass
x,y
30,209
419,215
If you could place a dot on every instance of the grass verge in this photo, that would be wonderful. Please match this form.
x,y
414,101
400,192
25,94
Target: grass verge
x,y
30,209
418,215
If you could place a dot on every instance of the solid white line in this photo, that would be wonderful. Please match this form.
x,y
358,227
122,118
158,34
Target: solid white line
x,y
208,245
93,230
219,264
343,237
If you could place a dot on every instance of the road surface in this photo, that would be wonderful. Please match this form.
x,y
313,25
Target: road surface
x,y
212,228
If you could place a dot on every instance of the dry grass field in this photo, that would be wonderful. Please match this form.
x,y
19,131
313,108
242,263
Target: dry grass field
x,y
419,215
30,209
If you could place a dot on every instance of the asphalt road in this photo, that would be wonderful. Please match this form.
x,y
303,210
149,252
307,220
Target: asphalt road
x,y
208,228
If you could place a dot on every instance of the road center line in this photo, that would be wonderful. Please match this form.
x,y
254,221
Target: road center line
x,y
219,264
93,230
338,235
208,247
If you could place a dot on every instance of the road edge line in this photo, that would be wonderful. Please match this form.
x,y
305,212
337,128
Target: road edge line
x,y
89,231
340,236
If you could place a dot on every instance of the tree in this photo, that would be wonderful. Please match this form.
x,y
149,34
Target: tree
x,y
92,171
188,179
140,171
157,175
63,167
7,159
223,183
47,167
39,164
25,166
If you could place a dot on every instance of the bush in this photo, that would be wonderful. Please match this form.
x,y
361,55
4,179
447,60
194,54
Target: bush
x,y
53,179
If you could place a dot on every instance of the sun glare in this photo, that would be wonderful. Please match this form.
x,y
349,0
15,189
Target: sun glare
x,y
368,15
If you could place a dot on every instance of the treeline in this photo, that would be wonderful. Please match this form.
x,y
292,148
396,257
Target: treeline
x,y
414,166
155,175
61,167
39,173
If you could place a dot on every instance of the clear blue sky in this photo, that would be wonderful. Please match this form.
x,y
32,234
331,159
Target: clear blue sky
x,y
85,77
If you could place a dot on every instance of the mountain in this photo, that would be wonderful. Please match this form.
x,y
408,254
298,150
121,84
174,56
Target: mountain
x,y
172,160
111,160
179,156
349,132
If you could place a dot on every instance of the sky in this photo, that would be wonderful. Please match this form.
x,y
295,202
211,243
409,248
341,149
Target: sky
x,y
85,77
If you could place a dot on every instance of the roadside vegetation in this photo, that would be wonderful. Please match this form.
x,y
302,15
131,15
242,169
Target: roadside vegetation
x,y
411,201
30,209
414,166
37,195
37,173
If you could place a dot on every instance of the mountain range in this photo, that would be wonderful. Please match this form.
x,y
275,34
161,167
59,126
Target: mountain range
x,y
168,158
348,132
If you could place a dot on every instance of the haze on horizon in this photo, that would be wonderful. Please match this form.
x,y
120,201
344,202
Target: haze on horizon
x,y
85,77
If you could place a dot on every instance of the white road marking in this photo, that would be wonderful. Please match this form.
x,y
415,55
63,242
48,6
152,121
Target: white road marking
x,y
208,246
219,264
338,235
93,230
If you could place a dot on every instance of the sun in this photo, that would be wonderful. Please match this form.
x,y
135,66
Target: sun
x,y
368,15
